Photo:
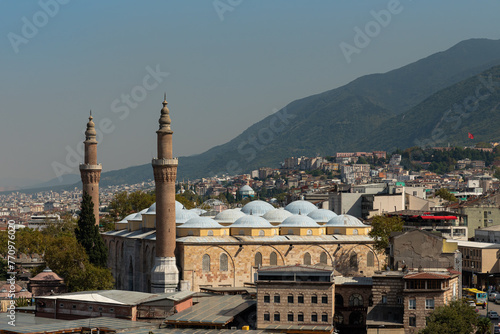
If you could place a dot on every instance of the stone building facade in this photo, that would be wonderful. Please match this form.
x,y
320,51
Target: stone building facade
x,y
353,296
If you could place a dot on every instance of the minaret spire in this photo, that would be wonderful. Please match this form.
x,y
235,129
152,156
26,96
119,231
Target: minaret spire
x,y
90,170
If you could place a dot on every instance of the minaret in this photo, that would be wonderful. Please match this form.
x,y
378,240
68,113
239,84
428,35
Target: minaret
x,y
90,170
165,275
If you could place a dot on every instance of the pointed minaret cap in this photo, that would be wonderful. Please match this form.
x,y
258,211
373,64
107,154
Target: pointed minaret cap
x,y
90,133
165,120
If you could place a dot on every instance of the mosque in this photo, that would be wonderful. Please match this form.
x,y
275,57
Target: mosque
x,y
166,247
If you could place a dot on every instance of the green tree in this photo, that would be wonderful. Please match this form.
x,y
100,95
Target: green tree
x,y
124,204
87,234
446,195
456,318
382,227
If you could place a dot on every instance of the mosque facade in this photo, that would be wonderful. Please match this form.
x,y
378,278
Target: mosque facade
x,y
227,249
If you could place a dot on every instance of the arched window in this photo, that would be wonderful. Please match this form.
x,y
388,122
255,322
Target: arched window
x,y
307,258
356,300
262,233
370,259
356,318
314,317
309,232
273,259
339,300
210,233
223,262
323,258
353,261
205,263
225,232
355,232
258,259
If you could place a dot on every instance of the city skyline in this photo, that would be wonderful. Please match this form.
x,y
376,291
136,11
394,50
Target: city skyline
x,y
224,65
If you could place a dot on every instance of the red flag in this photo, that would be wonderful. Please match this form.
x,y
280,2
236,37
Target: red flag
x,y
471,136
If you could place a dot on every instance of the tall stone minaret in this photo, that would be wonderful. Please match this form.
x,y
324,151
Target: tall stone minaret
x,y
90,170
165,275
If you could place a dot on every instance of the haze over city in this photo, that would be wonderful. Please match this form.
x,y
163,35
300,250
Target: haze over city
x,y
223,68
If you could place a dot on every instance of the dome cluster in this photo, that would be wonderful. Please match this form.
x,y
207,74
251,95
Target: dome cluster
x,y
256,218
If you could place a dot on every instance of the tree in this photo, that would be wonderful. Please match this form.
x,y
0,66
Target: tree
x,y
456,318
382,227
124,204
446,195
87,234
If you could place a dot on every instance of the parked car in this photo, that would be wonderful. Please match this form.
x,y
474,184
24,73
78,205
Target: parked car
x,y
472,303
492,296
492,315
497,299
496,329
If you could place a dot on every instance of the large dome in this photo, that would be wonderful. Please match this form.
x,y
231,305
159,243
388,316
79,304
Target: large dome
x,y
201,222
301,207
246,188
229,216
257,208
276,216
299,221
345,220
322,215
252,221
182,216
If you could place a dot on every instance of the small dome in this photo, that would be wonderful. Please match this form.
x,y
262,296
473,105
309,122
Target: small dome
x,y
322,215
152,208
345,220
229,216
127,218
246,188
252,222
257,208
182,216
198,211
138,216
275,216
299,221
201,222
302,207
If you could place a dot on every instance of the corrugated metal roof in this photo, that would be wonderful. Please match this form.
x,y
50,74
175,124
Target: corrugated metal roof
x,y
298,267
475,244
120,297
341,280
216,310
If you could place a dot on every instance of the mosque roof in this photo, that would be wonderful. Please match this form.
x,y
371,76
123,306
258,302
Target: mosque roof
x,y
276,215
229,216
138,216
127,218
251,221
322,215
246,188
344,220
257,208
198,211
302,207
152,208
299,221
201,222
182,216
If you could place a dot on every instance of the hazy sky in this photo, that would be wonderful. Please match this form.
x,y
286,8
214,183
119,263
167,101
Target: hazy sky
x,y
230,63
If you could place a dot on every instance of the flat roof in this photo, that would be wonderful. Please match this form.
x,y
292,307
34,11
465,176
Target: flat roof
x,y
341,280
217,310
476,244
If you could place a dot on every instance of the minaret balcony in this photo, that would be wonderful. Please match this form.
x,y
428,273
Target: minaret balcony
x,y
165,162
90,167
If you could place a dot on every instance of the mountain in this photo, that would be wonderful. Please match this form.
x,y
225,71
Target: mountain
x,y
67,179
448,116
339,119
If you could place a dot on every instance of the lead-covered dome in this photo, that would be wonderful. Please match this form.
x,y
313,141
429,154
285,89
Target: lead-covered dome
x,y
152,208
300,207
276,216
250,221
182,216
322,215
138,216
228,216
200,222
345,220
257,208
299,221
